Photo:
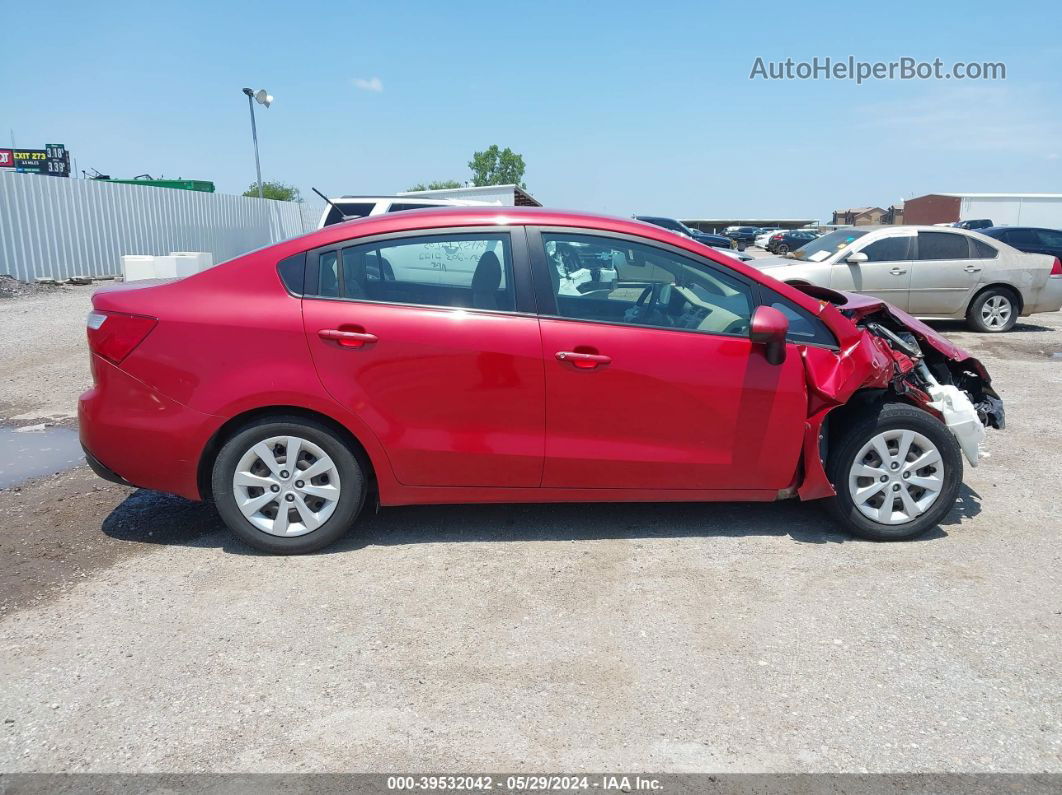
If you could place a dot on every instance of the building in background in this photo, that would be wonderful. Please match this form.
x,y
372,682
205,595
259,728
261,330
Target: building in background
x,y
869,216
1002,209
505,195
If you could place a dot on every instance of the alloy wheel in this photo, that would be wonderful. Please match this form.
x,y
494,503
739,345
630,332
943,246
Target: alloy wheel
x,y
286,486
996,311
896,477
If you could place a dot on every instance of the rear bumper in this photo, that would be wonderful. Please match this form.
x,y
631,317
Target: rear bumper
x,y
1047,299
134,435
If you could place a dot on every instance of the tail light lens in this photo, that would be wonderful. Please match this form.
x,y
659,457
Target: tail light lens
x,y
114,335
1056,269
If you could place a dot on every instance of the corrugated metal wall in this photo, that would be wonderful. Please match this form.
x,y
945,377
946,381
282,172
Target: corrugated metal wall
x,y
57,228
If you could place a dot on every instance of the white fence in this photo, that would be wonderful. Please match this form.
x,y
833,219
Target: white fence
x,y
57,228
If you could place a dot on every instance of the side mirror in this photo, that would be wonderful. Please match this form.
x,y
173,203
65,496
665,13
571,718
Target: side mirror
x,y
856,259
769,327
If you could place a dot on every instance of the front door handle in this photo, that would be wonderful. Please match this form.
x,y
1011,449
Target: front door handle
x,y
971,269
347,339
584,361
898,271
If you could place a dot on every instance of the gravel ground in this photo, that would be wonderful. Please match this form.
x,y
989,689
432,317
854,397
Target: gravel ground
x,y
136,635
44,356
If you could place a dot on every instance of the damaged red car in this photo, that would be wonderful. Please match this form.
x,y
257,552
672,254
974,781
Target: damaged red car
x,y
520,355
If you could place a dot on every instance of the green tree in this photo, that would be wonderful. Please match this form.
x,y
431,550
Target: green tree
x,y
275,190
439,184
495,166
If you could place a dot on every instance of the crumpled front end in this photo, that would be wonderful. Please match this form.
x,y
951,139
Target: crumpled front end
x,y
892,355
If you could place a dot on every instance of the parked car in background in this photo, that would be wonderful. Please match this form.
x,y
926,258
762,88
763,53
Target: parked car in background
x,y
434,357
741,256
784,242
930,271
1031,240
364,206
765,234
742,236
707,238
979,223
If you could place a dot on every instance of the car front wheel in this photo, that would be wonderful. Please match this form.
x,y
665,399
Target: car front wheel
x,y
287,485
896,473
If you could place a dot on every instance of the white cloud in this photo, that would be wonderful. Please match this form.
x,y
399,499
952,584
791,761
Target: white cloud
x,y
373,84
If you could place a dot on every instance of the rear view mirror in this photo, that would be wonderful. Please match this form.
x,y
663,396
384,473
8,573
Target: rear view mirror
x,y
857,258
769,327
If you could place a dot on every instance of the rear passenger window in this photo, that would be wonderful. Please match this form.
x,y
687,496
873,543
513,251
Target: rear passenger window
x,y
942,245
1022,238
983,250
889,249
472,271
1049,238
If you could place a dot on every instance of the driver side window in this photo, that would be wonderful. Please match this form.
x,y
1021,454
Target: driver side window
x,y
615,281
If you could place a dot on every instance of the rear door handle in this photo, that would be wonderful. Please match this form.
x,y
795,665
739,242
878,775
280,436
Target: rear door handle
x,y
898,271
347,339
584,361
971,269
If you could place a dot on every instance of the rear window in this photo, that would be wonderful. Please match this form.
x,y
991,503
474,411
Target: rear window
x,y
397,207
350,210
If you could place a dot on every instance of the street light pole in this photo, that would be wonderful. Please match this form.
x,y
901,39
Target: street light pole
x,y
263,98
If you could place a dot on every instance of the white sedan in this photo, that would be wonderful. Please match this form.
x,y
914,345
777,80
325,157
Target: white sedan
x,y
765,235
929,271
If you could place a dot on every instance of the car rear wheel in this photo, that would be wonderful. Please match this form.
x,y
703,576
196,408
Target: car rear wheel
x,y
287,485
993,311
896,473
783,249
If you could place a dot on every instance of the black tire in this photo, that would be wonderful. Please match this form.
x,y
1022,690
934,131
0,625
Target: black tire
x,y
741,245
351,478
782,249
976,320
885,417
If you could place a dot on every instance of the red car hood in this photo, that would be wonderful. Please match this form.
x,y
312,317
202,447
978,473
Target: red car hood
x,y
856,306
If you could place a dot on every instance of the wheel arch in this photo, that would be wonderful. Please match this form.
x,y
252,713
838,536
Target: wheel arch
x,y
1010,288
232,426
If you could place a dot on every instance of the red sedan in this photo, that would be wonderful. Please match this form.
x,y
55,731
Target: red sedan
x,y
517,355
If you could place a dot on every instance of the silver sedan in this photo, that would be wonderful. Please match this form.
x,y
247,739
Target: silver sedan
x,y
929,271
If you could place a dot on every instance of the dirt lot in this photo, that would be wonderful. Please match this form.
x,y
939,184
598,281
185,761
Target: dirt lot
x,y
136,635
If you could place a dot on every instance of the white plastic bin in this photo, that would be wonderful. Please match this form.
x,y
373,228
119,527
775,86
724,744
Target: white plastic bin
x,y
137,266
165,267
192,262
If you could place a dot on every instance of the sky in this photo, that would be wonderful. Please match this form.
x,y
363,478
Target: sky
x,y
617,107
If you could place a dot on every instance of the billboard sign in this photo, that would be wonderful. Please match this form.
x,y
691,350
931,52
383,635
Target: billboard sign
x,y
53,160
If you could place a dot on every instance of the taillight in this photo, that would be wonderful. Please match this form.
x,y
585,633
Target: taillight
x,y
114,335
1056,269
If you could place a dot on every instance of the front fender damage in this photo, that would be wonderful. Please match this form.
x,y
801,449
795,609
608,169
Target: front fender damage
x,y
891,355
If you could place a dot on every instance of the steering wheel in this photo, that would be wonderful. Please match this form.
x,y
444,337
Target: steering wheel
x,y
739,326
647,308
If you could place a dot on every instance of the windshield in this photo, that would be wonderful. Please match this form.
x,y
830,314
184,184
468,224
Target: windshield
x,y
824,247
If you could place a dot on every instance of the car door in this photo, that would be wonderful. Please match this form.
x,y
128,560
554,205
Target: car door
x,y
887,272
424,337
944,274
652,382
